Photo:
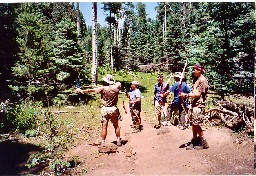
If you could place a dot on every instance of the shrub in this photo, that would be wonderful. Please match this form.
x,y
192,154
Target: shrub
x,y
25,116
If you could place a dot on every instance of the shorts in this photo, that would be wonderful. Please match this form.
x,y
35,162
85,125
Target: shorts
x,y
109,113
161,109
135,113
196,115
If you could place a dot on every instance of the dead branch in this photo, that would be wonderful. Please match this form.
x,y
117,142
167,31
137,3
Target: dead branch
x,y
233,115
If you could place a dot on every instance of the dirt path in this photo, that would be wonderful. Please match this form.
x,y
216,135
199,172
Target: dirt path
x,y
157,152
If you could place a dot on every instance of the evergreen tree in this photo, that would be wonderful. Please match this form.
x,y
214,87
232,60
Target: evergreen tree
x,y
236,22
138,42
8,46
127,31
50,57
205,42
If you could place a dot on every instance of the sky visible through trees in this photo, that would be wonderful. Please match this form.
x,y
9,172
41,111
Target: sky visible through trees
x,y
86,9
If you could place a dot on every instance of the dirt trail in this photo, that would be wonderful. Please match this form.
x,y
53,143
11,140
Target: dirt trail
x,y
157,152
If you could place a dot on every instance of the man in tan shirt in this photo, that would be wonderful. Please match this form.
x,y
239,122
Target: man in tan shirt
x,y
198,96
109,111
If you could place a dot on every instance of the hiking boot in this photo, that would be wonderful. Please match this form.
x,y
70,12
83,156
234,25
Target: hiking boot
x,y
195,141
204,144
193,144
200,144
133,126
190,146
141,127
157,126
136,129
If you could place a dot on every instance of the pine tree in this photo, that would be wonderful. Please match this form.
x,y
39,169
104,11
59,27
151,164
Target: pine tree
x,y
50,57
8,46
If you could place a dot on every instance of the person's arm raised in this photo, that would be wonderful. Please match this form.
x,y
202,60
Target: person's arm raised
x,y
78,90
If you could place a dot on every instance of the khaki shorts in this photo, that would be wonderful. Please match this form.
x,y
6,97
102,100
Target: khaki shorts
x,y
196,116
109,113
161,109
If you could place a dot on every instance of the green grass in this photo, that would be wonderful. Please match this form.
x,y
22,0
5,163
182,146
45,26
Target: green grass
x,y
86,122
147,82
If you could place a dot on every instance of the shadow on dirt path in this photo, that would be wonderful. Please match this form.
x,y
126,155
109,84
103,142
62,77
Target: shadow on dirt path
x,y
157,152
14,156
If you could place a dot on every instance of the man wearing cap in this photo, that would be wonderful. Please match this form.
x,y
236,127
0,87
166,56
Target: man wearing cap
x,y
109,111
134,96
177,103
160,101
198,95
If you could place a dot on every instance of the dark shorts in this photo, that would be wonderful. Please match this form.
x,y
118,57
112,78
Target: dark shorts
x,y
135,113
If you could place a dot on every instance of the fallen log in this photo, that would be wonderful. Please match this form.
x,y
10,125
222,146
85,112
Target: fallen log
x,y
234,116
225,111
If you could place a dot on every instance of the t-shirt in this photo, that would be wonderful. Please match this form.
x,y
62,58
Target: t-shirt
x,y
158,89
109,94
134,94
201,85
175,89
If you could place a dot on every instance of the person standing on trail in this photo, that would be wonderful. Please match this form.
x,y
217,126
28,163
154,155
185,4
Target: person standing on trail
x,y
160,101
134,96
109,111
177,103
198,95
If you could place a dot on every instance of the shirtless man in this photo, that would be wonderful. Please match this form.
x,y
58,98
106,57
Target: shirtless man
x,y
109,111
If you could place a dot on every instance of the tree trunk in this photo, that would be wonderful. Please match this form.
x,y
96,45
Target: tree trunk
x,y
94,45
78,21
111,47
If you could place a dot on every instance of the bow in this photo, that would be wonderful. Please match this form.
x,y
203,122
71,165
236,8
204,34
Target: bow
x,y
180,84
